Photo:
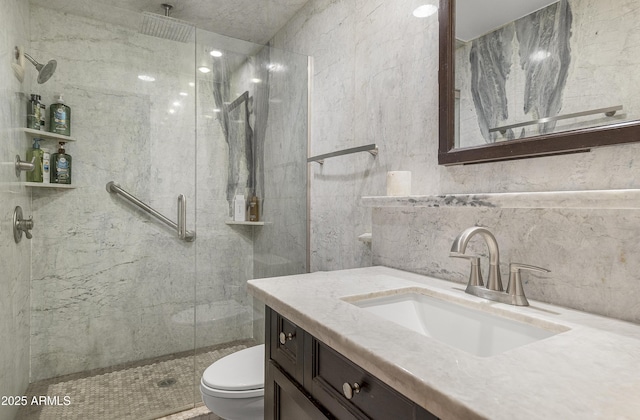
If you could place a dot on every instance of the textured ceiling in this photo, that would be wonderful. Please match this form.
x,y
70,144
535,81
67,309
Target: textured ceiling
x,y
250,20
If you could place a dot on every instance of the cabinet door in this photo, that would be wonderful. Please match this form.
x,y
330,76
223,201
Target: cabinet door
x,y
284,340
349,392
285,400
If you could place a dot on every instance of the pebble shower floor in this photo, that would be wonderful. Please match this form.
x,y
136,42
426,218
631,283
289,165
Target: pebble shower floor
x,y
141,391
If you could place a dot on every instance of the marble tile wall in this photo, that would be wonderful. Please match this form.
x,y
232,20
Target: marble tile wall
x,y
375,80
14,280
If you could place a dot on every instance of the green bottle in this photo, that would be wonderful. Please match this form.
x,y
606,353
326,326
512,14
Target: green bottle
x,y
61,167
37,153
60,120
33,113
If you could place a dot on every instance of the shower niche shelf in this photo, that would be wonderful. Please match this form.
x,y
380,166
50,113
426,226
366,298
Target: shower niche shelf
x,y
45,135
233,222
43,185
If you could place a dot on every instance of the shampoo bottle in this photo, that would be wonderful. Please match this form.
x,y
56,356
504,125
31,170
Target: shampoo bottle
x,y
254,209
60,121
43,112
46,166
37,153
61,167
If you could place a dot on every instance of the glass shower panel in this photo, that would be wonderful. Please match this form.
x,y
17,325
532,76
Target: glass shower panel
x,y
252,140
112,291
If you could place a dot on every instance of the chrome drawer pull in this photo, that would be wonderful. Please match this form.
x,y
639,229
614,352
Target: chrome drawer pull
x,y
286,337
349,390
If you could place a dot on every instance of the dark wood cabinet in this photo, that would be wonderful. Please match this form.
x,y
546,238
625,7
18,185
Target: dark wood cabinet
x,y
304,375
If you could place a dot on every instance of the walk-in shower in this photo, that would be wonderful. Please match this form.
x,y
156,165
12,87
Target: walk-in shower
x,y
124,314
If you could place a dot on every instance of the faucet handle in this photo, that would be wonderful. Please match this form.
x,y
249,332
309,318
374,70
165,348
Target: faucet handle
x,y
475,276
514,287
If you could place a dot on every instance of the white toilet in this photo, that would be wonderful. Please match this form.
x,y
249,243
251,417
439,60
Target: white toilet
x,y
233,387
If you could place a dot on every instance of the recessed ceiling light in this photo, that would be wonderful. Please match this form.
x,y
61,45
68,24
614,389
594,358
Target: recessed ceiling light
x,y
176,103
204,69
216,110
172,111
184,94
256,80
192,84
146,78
216,53
425,10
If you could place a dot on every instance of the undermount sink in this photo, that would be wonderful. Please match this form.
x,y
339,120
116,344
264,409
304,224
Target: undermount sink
x,y
472,330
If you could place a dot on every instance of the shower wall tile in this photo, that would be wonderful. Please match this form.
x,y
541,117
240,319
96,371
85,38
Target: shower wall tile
x,y
14,280
374,81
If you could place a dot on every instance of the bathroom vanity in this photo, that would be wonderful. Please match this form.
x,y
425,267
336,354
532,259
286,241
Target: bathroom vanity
x,y
305,378
328,355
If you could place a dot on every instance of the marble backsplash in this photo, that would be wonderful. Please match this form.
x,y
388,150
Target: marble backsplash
x,y
588,244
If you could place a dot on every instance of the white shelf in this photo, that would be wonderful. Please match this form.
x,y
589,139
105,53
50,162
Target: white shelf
x,y
233,222
43,185
589,199
41,134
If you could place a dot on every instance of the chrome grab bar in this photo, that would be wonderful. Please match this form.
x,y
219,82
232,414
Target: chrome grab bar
x,y
180,227
608,112
371,148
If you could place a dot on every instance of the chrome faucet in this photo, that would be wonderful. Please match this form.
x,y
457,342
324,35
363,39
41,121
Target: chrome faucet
x,y
493,291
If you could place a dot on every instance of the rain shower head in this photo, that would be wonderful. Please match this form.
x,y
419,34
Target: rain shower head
x,y
165,26
45,71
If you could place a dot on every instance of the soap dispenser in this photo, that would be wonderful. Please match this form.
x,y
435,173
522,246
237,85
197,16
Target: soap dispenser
x,y
61,167
60,121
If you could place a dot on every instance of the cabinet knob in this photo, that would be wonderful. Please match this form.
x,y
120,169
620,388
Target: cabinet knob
x,y
348,390
286,337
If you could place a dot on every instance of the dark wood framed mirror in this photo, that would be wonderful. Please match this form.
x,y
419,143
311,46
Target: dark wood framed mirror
x,y
571,140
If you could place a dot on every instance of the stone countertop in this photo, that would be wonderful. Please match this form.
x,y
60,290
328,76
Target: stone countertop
x,y
591,370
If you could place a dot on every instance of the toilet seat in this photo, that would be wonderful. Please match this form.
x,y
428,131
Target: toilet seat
x,y
238,375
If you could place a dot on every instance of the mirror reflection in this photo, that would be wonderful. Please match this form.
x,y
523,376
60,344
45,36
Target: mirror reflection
x,y
528,68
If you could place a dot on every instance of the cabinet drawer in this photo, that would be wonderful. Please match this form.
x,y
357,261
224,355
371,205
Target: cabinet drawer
x,y
286,400
285,345
348,391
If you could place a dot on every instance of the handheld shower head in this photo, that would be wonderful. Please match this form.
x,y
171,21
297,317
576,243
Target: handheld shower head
x,y
45,71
